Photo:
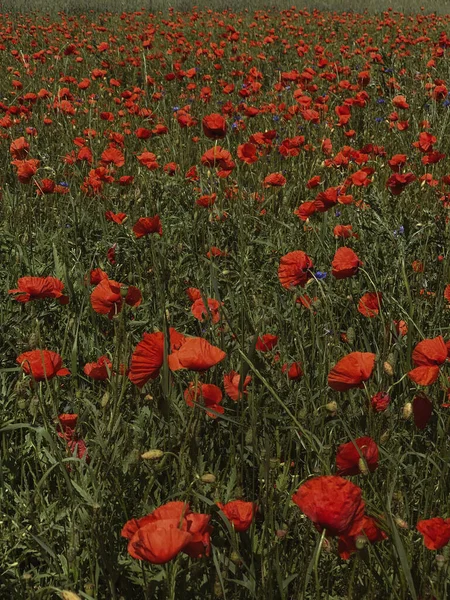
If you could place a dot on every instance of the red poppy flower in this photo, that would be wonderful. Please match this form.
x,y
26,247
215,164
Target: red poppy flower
x,y
380,401
436,532
294,371
447,292
26,169
247,153
148,159
107,299
42,364
19,148
422,410
369,530
351,371
428,356
195,354
148,356
332,503
33,288
118,218
214,126
345,263
231,383
154,538
146,225
97,275
397,182
207,394
240,513
100,370
344,231
275,180
267,342
201,313
67,424
348,459
370,303
294,269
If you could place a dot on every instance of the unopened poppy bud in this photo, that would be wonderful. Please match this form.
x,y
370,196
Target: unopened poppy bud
x,y
27,577
22,403
331,408
350,335
363,466
440,561
326,545
66,595
360,542
89,588
148,398
388,369
401,523
235,558
281,533
274,463
407,411
152,455
105,399
124,291
208,478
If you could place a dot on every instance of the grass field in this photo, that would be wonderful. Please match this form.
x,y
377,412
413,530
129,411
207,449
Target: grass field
x,y
225,275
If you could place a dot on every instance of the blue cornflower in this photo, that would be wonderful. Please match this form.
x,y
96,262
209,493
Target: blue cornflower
x,y
320,275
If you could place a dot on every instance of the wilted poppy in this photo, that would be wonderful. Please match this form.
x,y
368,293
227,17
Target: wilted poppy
x,y
436,532
294,269
332,503
33,288
239,513
42,364
348,458
345,263
351,371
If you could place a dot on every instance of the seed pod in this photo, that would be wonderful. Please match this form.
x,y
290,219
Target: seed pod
x,y
208,478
